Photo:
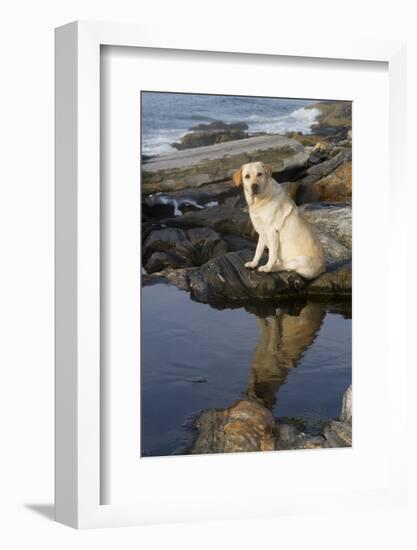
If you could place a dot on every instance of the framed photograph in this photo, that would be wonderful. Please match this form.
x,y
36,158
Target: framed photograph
x,y
216,354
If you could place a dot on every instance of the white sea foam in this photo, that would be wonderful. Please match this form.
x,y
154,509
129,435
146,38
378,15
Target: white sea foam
x,y
160,143
300,120
178,203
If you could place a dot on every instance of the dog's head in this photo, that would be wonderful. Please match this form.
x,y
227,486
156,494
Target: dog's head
x,y
254,177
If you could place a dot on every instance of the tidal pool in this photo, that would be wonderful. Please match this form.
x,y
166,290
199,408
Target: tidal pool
x,y
295,358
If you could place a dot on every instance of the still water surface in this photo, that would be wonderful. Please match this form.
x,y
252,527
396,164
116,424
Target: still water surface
x,y
295,359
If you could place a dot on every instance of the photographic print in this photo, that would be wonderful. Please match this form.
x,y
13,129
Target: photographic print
x,y
246,222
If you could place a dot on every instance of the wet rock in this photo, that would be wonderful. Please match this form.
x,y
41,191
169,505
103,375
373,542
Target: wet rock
x,y
288,437
232,221
346,414
219,125
224,279
337,281
338,434
246,426
174,203
161,260
216,163
177,277
227,279
168,247
174,248
333,220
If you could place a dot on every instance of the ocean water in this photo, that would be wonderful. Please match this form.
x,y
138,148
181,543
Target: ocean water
x,y
296,361
168,116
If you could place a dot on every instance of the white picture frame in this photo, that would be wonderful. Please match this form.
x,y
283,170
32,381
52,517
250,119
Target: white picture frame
x,y
78,450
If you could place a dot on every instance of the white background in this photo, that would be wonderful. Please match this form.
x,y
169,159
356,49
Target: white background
x,y
26,389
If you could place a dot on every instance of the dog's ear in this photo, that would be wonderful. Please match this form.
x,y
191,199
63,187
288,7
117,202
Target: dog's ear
x,y
237,178
268,169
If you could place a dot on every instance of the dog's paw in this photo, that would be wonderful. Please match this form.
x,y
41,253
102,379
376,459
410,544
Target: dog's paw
x,y
251,265
265,268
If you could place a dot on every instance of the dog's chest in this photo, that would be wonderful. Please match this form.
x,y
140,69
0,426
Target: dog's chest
x,y
262,218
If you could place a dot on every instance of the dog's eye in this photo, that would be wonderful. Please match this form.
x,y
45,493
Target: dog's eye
x,y
247,176
259,174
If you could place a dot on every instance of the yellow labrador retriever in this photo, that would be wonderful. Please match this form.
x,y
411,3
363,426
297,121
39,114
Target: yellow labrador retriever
x,y
290,239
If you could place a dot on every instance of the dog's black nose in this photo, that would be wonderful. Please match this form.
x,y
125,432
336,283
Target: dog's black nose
x,y
255,188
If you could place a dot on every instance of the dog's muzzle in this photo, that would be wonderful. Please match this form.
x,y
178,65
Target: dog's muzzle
x,y
255,188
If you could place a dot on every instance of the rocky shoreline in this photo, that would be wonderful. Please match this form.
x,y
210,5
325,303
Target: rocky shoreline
x,y
248,426
197,235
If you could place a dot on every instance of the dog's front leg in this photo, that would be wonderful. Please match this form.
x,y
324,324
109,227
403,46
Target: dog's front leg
x,y
273,239
260,247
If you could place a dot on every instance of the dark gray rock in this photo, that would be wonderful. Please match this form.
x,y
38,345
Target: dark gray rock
x,y
224,279
219,125
178,277
174,203
174,248
161,260
232,221
227,279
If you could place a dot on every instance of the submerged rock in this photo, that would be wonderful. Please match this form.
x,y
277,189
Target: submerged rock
x,y
246,426
216,163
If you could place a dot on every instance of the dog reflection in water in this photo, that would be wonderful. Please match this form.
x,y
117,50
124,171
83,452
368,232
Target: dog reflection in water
x,y
284,337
